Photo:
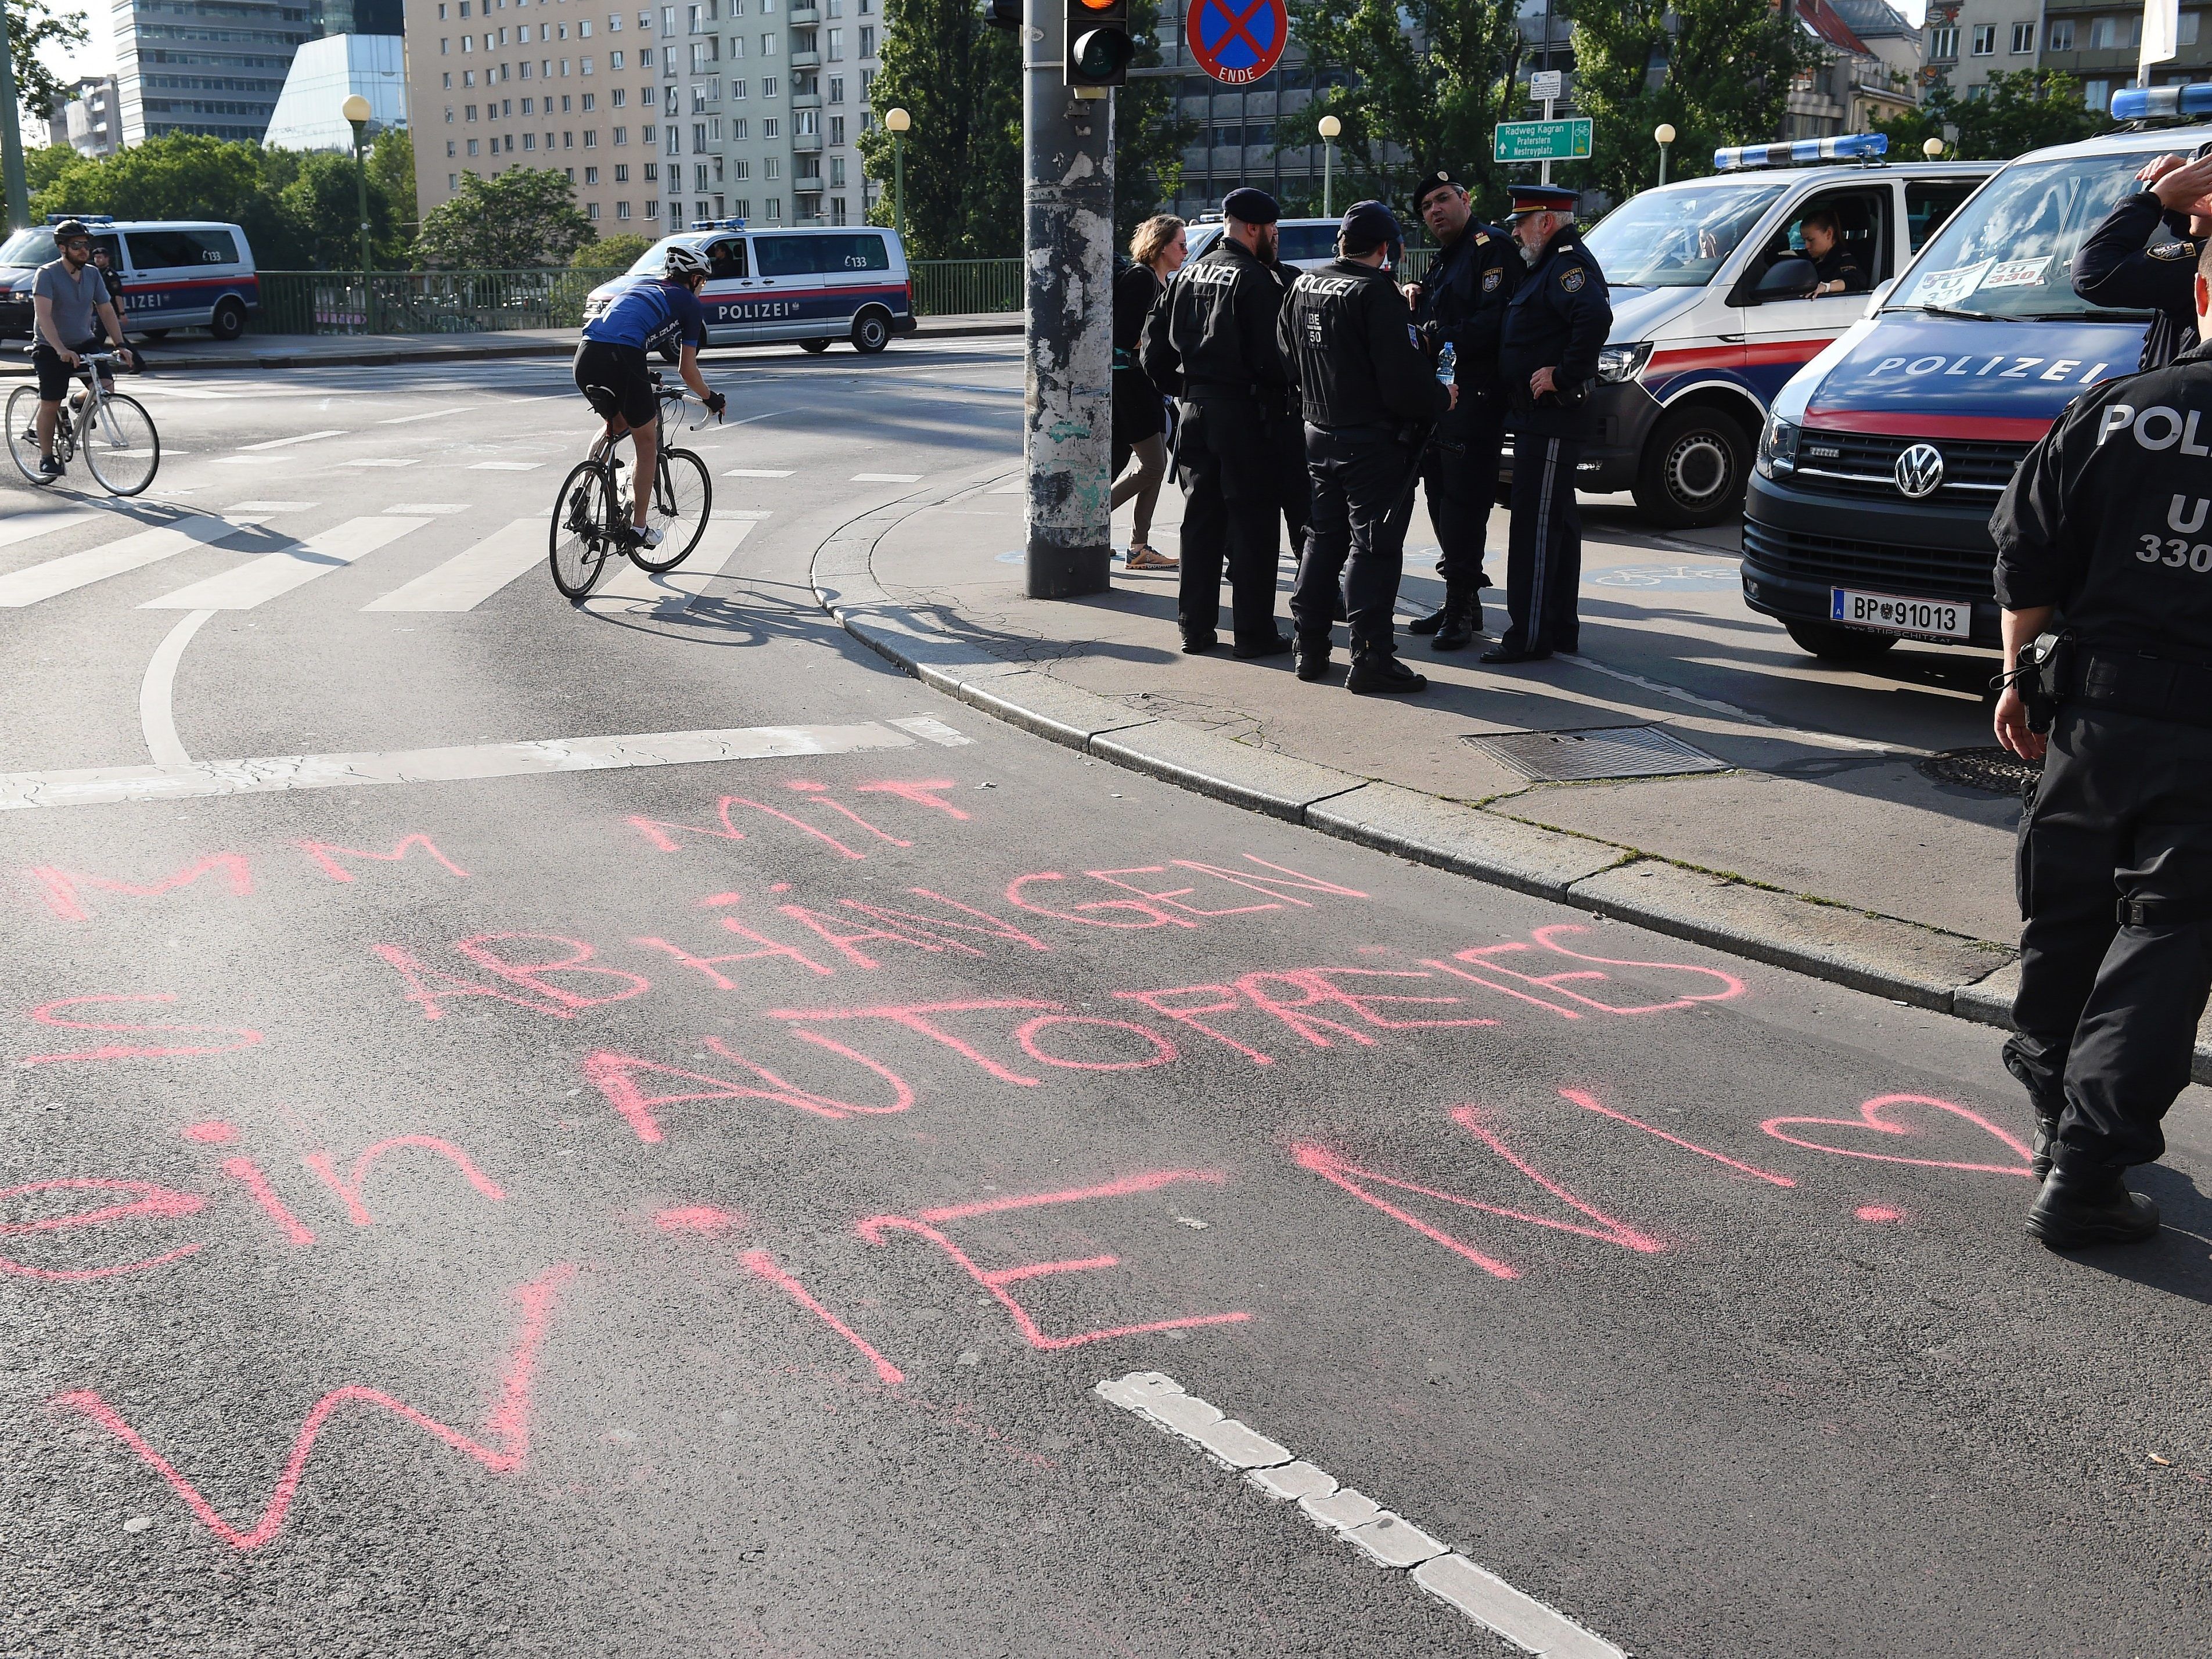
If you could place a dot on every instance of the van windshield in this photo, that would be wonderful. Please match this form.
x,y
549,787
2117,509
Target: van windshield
x,y
1678,238
2009,251
34,246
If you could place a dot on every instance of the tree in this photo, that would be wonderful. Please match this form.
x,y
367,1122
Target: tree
x,y
42,166
1149,132
31,29
616,252
524,219
961,82
183,175
1717,70
392,169
2022,110
322,201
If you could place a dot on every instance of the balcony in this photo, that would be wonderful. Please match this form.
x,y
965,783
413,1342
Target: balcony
x,y
806,100
804,60
804,142
803,17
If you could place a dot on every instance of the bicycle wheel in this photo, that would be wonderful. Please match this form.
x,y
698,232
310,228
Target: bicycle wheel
x,y
578,544
120,444
682,495
22,432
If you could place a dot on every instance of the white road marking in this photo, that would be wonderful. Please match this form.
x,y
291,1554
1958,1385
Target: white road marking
x,y
106,786
505,466
249,460
24,526
467,579
1389,1540
157,691
286,443
745,513
433,508
671,594
1729,711
1012,487
271,507
266,575
407,460
758,472
887,478
402,420
932,730
75,570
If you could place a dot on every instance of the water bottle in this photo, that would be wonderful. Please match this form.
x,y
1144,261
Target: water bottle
x,y
1447,364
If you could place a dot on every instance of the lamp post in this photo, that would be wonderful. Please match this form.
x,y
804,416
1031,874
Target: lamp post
x,y
356,111
1328,126
896,122
1932,149
1664,133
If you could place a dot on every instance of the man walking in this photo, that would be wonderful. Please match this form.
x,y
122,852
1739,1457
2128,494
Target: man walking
x,y
66,295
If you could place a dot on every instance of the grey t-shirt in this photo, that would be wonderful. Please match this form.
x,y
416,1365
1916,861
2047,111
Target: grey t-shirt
x,y
73,298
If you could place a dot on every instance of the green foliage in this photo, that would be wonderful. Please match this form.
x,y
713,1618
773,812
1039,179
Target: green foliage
x,y
2022,110
1725,67
609,252
1149,134
391,170
961,82
322,200
31,29
42,166
526,218
188,176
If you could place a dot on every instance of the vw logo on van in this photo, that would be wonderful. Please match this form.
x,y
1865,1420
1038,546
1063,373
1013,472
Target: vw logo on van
x,y
1919,471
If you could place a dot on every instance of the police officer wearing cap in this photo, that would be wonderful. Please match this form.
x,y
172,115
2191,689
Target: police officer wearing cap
x,y
2144,254
1462,304
1556,319
1371,397
2109,519
1211,341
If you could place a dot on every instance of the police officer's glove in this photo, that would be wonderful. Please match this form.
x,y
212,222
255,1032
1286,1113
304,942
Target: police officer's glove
x,y
716,403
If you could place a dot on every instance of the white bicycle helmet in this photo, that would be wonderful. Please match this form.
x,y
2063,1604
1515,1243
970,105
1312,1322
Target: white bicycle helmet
x,y
682,261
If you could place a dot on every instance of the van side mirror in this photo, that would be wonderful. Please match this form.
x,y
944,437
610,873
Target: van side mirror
x,y
1790,278
1881,293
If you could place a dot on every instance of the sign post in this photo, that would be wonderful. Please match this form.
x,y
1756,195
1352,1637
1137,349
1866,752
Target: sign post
x,y
1544,86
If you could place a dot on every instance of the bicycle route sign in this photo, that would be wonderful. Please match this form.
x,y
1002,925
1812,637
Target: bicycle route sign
x,y
1236,41
1544,141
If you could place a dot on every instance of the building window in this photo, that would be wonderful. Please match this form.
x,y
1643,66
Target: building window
x,y
622,172
836,45
836,129
1986,40
449,80
530,140
529,107
2115,33
836,210
736,91
741,169
698,136
769,88
592,139
771,127
590,209
647,134
452,181
837,172
566,104
590,175
652,210
2023,38
2097,95
770,168
2061,35
1942,45
836,89
591,100
2186,34
621,135
867,39
450,151
622,209
768,45
806,122
468,77
568,141
472,147
740,129
775,208
571,172
468,111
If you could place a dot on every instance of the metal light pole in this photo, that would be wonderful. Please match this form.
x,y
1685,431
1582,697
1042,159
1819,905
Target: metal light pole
x,y
17,191
1328,126
356,111
1664,134
896,122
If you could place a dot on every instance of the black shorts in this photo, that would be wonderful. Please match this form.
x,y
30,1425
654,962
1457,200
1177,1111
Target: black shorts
x,y
55,376
616,382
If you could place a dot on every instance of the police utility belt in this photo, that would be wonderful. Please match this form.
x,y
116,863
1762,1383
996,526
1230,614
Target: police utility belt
x,y
2057,668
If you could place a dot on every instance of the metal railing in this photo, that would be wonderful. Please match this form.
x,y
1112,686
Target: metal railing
x,y
964,287
422,302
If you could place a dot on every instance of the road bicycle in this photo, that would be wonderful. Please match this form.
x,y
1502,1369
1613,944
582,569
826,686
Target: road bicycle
x,y
591,514
116,433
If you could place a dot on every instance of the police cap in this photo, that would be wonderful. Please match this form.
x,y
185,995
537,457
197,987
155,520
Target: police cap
x,y
1367,226
1430,184
1542,198
1249,206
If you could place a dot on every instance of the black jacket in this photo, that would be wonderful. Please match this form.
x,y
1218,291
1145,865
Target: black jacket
x,y
1464,299
2124,262
1557,319
1347,330
1212,333
2110,517
1842,266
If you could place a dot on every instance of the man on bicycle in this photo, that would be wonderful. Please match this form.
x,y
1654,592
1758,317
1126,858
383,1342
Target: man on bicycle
x,y
611,365
66,296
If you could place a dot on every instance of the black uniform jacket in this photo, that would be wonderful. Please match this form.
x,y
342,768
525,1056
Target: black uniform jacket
x,y
1464,301
1842,266
1558,317
1347,330
2128,264
1212,333
2110,517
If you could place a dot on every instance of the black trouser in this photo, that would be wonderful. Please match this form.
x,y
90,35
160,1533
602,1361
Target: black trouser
x,y
1363,493
1544,553
1460,474
1288,434
2107,1013
1231,483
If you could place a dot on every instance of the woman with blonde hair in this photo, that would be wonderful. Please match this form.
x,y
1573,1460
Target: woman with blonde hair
x,y
1157,250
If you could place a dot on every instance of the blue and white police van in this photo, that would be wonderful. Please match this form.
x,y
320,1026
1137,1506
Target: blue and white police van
x,y
1713,309
1868,517
814,286
172,273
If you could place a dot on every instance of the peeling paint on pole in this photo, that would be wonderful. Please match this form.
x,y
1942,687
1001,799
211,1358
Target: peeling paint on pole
x,y
1067,145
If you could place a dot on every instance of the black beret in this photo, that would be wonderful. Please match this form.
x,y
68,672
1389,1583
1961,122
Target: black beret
x,y
1439,179
1252,207
1370,225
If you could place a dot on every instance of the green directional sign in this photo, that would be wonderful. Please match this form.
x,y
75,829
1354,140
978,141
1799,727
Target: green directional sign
x,y
1544,141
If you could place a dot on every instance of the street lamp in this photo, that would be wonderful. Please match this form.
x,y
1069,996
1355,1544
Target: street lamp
x,y
356,111
1932,149
1664,133
897,121
1328,126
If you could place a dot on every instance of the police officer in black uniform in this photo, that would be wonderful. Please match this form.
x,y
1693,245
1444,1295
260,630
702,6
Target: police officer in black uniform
x,y
2110,521
1286,431
1558,317
1211,341
1836,265
1462,303
2128,264
1371,397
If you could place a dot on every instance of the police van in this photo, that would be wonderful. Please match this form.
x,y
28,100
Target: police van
x,y
808,285
1713,308
172,273
1308,244
1867,518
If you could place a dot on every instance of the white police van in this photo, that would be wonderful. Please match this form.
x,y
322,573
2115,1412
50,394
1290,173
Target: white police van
x,y
809,285
1308,244
173,273
1712,307
1867,518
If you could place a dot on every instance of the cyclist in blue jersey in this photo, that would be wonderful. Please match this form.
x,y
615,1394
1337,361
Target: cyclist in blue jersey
x,y
612,375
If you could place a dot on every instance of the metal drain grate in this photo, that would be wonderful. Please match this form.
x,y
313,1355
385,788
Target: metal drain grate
x,y
1601,752
1997,770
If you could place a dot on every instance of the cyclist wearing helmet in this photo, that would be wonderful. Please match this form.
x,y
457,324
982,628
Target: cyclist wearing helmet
x,y
610,364
69,302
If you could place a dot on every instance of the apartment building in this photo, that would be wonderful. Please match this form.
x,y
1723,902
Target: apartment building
x,y
1968,40
2101,45
209,66
1869,68
89,121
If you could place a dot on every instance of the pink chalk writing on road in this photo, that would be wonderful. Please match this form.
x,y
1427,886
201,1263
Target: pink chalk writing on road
x,y
924,792
249,1174
348,1187
1881,1115
145,1200
508,1427
1590,1103
916,1019
431,988
327,854
761,1265
45,1015
876,1228
64,889
1878,1212
696,1219
1487,969
213,1132
616,1076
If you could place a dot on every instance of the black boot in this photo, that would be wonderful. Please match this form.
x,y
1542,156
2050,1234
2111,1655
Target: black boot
x,y
1379,671
2044,1142
1460,621
1311,657
2080,1208
1434,620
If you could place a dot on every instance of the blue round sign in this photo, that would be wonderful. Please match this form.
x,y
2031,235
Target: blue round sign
x,y
1236,41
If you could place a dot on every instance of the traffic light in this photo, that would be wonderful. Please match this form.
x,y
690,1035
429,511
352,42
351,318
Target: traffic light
x,y
1003,13
1098,43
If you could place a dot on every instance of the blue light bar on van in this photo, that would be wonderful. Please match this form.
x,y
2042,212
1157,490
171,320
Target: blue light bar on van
x,y
718,224
2147,103
86,218
1850,147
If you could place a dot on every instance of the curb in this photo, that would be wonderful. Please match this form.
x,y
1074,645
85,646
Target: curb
x,y
1905,960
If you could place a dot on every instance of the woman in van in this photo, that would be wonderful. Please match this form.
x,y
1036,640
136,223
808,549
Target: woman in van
x,y
1158,248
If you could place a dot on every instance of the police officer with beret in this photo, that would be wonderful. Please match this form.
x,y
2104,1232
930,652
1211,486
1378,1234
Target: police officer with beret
x,y
1556,319
2110,521
1462,304
2144,254
1371,396
1211,340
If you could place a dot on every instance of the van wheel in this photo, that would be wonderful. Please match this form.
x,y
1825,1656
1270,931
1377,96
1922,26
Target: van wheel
x,y
229,321
671,352
818,347
1693,467
1838,644
152,333
871,332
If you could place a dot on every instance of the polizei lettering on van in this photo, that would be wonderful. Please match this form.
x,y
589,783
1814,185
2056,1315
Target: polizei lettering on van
x,y
753,311
1975,367
2156,427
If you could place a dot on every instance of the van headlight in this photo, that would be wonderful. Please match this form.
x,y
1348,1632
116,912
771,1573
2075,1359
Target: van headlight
x,y
1622,363
594,305
1777,449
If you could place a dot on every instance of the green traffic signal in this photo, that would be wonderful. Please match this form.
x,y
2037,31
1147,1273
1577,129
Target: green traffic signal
x,y
1099,46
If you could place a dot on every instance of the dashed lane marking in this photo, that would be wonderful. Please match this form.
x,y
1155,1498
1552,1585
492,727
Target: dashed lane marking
x,y
286,443
887,478
505,466
435,508
271,507
758,472
431,414
467,579
932,730
400,460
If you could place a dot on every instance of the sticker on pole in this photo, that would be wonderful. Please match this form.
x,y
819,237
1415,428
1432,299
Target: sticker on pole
x,y
1236,41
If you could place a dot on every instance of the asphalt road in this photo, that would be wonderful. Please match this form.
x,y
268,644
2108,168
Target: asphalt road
x,y
684,1204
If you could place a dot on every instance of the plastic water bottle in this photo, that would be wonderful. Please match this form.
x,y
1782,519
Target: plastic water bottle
x,y
1447,364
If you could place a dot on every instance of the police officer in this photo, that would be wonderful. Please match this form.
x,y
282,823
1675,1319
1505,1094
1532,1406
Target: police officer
x,y
1211,340
1547,356
1462,304
2125,263
1836,265
1369,396
1286,431
2108,520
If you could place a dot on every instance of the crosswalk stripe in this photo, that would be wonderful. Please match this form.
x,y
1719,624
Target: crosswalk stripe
x,y
466,580
24,526
505,466
296,438
673,594
428,414
266,575
75,570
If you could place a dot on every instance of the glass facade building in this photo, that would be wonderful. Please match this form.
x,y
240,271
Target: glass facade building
x,y
210,66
